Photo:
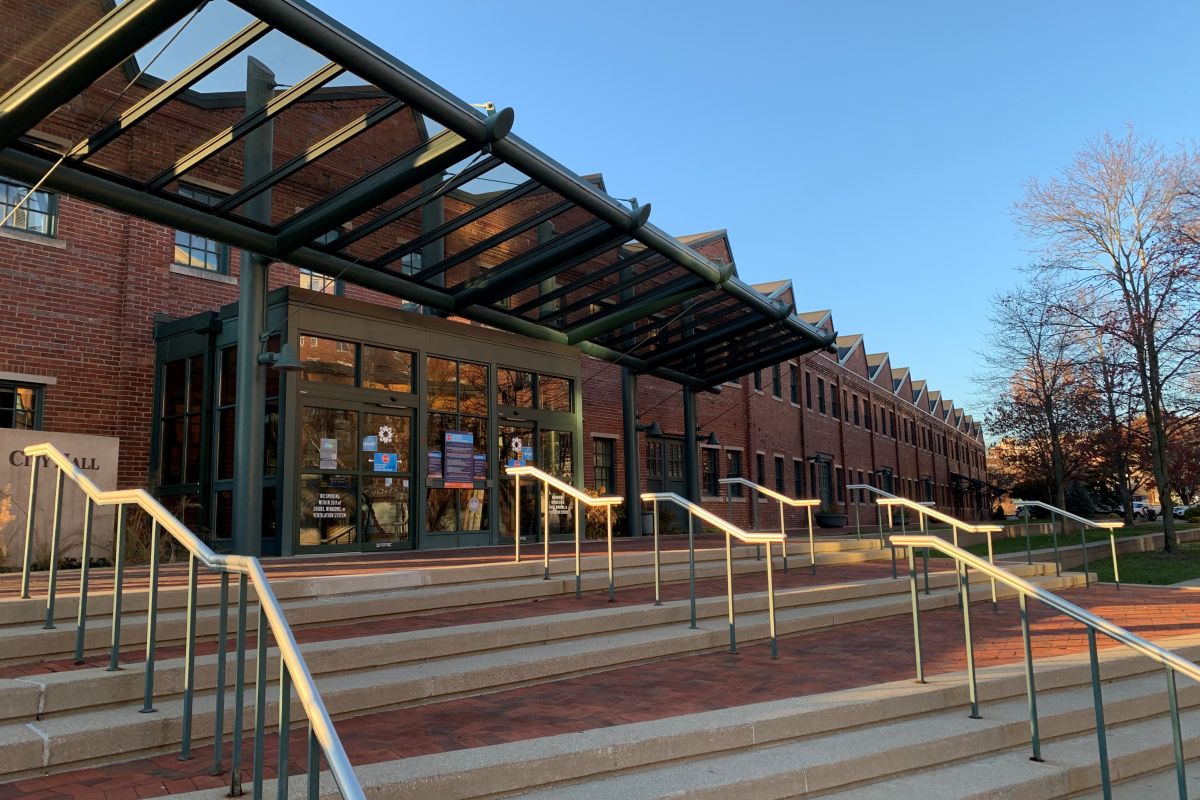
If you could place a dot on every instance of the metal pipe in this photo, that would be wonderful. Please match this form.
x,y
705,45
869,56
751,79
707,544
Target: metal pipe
x,y
219,713
578,577
314,764
55,534
992,560
965,594
1087,579
1098,705
517,517
114,654
30,515
239,694
151,621
629,441
284,729
612,588
1030,687
692,568
812,545
771,602
189,662
916,614
1054,539
1176,736
1112,541
260,702
729,591
1028,546
544,493
85,568
925,562
657,566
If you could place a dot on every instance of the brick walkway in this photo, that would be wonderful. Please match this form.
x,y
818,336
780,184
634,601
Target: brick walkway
x,y
842,658
797,577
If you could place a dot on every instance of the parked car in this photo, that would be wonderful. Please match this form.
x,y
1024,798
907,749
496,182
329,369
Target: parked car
x,y
1179,511
1142,510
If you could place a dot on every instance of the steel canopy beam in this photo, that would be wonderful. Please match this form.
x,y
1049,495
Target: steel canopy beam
x,y
251,121
632,334
799,348
429,159
311,154
690,345
167,92
106,44
647,305
563,291
607,291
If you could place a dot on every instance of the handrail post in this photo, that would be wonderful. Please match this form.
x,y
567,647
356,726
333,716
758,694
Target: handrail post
x,y
925,567
992,561
260,700
314,764
612,590
219,713
812,545
578,576
657,571
151,621
729,591
545,493
965,595
1054,539
857,524
879,518
692,568
114,654
55,533
517,518
30,528
1098,704
189,662
954,528
284,729
782,530
1112,541
916,614
239,694
1176,735
1030,687
1087,580
85,565
1028,544
771,603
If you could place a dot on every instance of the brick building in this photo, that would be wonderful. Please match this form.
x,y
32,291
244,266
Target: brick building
x,y
101,308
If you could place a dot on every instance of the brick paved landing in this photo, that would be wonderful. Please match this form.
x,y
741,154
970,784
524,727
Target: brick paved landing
x,y
797,577
842,658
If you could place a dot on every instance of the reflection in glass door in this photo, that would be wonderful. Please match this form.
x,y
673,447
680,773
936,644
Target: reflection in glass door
x,y
386,481
516,449
557,456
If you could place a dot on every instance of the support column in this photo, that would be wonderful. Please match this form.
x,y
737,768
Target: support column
x,y
433,215
249,418
546,232
629,434
691,445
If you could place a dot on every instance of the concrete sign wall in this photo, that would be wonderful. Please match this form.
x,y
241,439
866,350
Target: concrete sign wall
x,y
95,455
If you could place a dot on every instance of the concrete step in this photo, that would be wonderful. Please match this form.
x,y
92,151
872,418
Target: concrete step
x,y
373,596
352,680
831,745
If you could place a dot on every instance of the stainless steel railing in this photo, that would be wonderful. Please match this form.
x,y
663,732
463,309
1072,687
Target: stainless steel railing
x,y
731,531
293,672
866,487
1084,523
1172,662
782,499
549,481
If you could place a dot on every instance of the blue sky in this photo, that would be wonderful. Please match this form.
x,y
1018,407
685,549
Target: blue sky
x,y
869,151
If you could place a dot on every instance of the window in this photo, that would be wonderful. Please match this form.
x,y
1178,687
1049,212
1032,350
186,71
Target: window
x,y
862,493
846,404
821,395
761,463
316,282
734,470
841,485
554,394
776,382
798,477
709,473
855,405
182,396
33,212
602,465
410,263
833,398
327,360
514,388
386,369
20,406
200,252
808,390
758,380
779,487
795,385
866,413
892,423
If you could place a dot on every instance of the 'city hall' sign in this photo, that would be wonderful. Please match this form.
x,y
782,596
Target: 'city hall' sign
x,y
95,456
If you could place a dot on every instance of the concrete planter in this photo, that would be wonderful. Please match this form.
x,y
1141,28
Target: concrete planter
x,y
831,520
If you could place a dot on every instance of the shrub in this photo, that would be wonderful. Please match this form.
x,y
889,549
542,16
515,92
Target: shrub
x,y
1192,514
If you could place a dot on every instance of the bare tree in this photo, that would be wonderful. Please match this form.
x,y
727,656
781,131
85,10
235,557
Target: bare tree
x,y
1111,372
1118,224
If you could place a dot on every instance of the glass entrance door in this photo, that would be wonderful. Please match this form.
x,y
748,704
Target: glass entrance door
x,y
355,488
516,448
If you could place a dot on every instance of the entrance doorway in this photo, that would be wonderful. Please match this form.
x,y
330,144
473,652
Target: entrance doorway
x,y
356,483
664,473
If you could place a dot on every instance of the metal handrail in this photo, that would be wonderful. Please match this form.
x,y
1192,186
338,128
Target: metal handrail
x,y
579,496
806,503
879,512
731,532
1084,523
293,670
924,511
1173,662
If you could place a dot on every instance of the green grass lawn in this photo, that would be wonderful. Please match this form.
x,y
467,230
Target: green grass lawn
x,y
1155,568
1043,541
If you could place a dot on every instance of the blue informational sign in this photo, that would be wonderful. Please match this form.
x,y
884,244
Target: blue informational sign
x,y
386,462
458,466
480,467
527,455
370,444
433,465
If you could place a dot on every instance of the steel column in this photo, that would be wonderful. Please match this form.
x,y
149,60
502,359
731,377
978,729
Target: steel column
x,y
1030,686
691,467
629,435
